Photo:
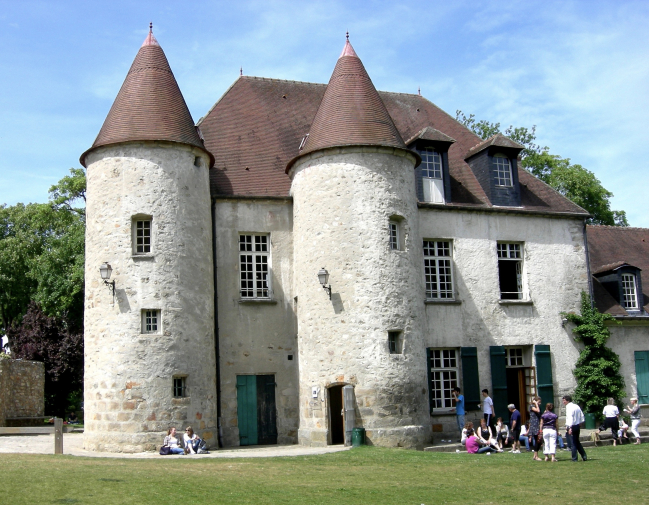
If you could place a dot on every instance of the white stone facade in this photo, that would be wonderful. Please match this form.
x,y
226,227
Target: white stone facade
x,y
343,202
129,396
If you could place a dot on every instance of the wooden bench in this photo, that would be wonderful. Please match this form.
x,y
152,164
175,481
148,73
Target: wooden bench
x,y
56,429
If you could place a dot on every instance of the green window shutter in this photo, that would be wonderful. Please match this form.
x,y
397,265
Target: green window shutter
x,y
247,409
642,375
544,385
499,380
470,378
430,378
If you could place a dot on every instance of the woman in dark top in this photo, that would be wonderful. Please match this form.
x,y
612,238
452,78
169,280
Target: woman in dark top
x,y
549,430
534,430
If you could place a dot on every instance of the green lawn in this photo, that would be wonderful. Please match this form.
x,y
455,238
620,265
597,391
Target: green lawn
x,y
365,475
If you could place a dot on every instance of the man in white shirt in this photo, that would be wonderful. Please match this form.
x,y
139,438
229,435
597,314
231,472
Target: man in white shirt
x,y
488,407
574,417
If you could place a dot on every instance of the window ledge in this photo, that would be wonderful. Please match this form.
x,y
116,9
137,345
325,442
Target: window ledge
x,y
515,302
443,302
258,301
142,257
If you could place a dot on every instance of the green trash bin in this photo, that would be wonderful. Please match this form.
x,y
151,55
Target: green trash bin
x,y
358,437
590,421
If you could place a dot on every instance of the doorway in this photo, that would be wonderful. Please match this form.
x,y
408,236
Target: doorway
x,y
521,388
336,419
256,409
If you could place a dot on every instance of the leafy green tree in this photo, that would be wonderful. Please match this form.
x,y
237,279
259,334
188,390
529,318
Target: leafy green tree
x,y
42,255
598,368
573,181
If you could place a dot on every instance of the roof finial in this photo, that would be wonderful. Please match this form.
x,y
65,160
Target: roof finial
x,y
419,90
347,35
241,71
151,27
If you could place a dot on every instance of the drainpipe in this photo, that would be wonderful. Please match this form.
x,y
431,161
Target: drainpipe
x,y
590,277
217,352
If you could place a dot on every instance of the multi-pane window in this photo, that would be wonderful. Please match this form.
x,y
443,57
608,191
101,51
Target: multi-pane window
x,y
432,175
629,293
514,356
431,163
394,235
142,236
503,170
443,377
510,270
150,321
253,264
437,269
180,387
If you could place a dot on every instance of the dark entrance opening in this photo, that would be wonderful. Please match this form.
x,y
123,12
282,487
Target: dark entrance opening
x,y
336,425
517,391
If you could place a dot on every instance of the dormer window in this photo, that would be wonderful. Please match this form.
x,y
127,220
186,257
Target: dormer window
x,y
629,292
503,170
432,175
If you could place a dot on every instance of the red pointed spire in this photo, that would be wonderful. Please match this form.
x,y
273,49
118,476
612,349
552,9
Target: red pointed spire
x,y
150,39
149,106
351,112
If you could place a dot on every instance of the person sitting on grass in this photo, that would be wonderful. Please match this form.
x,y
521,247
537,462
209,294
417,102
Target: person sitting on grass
x,y
621,433
72,418
502,432
171,441
193,442
487,435
465,431
473,444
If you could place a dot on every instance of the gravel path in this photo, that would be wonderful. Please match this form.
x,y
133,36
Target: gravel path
x,y
73,445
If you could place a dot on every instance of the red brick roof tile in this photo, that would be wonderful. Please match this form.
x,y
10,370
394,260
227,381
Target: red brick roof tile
x,y
149,106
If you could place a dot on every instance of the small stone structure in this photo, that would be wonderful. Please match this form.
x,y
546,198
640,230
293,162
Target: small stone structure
x,y
22,389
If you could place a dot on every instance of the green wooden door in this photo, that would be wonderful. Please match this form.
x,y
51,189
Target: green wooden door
x,y
247,409
499,380
544,385
470,378
642,375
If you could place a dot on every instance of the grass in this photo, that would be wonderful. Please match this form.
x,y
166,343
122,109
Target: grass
x,y
365,475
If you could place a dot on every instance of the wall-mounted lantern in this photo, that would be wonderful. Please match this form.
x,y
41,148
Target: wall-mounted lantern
x,y
323,277
105,270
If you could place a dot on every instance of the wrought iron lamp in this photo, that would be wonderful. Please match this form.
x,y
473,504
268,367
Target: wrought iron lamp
x,y
323,277
105,270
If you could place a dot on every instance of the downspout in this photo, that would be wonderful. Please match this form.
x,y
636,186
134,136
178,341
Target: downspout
x,y
217,352
590,277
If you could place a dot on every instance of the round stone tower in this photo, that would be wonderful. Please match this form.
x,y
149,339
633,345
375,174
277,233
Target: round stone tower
x,y
355,214
149,329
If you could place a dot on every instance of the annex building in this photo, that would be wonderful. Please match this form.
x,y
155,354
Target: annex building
x,y
443,263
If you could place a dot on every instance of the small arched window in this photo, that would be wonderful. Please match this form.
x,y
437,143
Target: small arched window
x,y
503,170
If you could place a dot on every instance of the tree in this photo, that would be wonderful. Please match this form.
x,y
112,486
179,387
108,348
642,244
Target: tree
x,y
42,255
52,341
598,368
573,181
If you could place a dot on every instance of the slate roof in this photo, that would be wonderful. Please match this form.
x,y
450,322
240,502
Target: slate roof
x,y
610,247
149,105
257,126
351,111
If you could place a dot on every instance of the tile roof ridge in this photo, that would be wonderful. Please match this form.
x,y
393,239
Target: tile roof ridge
x,y
275,79
615,227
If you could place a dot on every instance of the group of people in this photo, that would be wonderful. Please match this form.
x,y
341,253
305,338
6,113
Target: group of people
x,y
617,425
542,430
192,443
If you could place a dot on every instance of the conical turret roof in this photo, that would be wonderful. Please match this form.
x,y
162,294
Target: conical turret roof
x,y
149,106
351,112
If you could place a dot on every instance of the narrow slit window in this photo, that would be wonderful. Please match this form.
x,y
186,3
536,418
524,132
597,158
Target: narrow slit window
x,y
395,342
142,236
394,235
180,387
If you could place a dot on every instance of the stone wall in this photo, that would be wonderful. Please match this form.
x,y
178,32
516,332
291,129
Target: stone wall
x,y
343,202
257,336
129,373
22,387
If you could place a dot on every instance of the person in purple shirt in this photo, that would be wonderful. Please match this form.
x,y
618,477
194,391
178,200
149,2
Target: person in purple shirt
x,y
473,444
514,428
549,430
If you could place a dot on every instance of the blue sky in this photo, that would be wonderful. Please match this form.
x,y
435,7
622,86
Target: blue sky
x,y
579,71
